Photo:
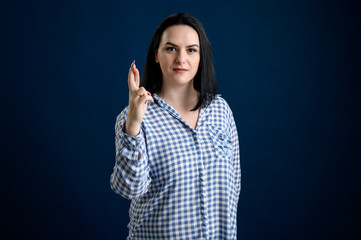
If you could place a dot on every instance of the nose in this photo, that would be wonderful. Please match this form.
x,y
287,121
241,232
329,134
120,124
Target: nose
x,y
181,56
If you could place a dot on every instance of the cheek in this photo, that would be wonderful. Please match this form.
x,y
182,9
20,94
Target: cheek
x,y
165,65
196,63
166,60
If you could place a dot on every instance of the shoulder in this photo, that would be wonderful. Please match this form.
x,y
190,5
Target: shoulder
x,y
220,114
219,104
123,114
120,120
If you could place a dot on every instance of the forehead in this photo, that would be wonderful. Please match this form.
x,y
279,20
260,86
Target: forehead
x,y
180,35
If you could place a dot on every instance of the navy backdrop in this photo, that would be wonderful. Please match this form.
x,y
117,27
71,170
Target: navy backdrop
x,y
289,70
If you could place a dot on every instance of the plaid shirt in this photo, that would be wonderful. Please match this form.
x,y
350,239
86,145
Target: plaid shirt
x,y
187,182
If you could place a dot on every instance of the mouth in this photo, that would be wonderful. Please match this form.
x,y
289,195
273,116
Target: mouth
x,y
180,70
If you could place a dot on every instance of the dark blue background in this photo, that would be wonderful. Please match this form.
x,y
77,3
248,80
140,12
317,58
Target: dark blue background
x,y
290,71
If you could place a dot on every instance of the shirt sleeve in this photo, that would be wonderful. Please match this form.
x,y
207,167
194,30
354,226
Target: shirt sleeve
x,y
236,154
130,177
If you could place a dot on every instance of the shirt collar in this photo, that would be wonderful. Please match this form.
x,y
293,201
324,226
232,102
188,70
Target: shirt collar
x,y
204,112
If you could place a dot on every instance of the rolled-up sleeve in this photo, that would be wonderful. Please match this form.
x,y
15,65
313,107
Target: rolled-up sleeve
x,y
130,177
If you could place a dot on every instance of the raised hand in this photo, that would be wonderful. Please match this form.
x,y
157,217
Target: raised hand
x,y
138,102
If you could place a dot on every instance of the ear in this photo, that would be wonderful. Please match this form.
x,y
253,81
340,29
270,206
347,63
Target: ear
x,y
156,56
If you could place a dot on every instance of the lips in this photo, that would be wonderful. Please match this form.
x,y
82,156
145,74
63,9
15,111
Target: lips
x,y
180,69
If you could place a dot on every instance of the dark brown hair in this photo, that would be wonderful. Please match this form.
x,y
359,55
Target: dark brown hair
x,y
204,80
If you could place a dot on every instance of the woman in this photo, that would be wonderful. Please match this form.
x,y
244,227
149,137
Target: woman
x,y
177,152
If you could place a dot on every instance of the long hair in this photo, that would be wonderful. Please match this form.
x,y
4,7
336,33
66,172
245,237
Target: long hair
x,y
204,80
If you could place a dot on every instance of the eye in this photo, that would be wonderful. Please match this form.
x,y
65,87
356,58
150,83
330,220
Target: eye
x,y
171,49
192,50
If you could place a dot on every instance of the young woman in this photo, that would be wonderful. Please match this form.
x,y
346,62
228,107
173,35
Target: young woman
x,y
177,151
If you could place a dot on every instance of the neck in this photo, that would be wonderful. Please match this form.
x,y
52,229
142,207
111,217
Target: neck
x,y
180,97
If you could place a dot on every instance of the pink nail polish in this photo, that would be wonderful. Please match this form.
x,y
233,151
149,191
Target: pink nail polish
x,y
132,64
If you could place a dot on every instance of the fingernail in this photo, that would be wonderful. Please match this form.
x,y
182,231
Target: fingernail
x,y
149,93
132,64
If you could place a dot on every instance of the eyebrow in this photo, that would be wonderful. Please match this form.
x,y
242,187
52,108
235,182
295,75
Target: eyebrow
x,y
172,44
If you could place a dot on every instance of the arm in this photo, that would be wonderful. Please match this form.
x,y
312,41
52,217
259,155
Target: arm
x,y
237,170
130,177
236,154
233,133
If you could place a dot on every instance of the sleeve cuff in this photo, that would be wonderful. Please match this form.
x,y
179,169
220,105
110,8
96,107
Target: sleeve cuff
x,y
133,141
131,146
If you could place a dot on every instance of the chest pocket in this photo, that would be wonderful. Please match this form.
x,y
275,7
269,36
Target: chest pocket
x,y
221,142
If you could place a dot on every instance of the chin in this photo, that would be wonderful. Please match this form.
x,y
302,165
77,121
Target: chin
x,y
182,80
179,79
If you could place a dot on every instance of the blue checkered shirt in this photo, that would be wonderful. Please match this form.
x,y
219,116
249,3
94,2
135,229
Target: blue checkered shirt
x,y
187,182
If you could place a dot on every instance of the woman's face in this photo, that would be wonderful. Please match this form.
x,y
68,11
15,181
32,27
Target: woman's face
x,y
178,55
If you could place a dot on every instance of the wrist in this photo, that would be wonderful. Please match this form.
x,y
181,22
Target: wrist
x,y
131,129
